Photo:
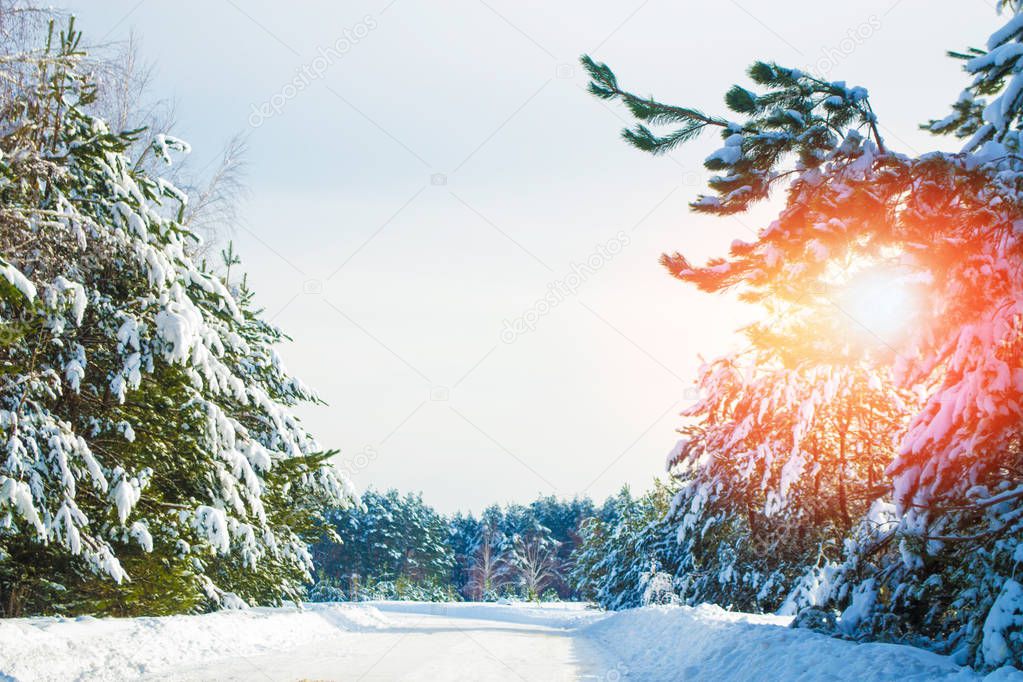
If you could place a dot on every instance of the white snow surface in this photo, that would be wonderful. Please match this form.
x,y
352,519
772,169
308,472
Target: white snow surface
x,y
89,648
709,643
424,641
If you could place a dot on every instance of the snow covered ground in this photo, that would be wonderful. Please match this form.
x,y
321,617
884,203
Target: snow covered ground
x,y
419,641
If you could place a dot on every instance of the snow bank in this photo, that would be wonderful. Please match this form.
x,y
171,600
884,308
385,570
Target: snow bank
x,y
709,643
128,648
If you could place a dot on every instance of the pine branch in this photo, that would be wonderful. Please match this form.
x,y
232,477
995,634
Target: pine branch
x,y
604,85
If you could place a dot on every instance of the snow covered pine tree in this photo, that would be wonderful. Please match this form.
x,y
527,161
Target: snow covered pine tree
x,y
622,547
150,462
389,541
877,430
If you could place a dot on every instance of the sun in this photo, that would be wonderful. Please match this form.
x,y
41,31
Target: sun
x,y
879,302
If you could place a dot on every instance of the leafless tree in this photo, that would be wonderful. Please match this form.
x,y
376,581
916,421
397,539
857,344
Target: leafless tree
x,y
124,84
22,35
534,564
125,99
487,574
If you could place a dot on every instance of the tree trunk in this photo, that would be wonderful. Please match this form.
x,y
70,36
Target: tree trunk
x,y
842,502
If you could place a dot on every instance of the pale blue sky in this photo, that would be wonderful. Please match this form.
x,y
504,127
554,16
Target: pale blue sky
x,y
395,288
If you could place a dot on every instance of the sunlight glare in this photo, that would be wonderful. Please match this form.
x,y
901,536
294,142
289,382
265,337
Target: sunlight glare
x,y
880,301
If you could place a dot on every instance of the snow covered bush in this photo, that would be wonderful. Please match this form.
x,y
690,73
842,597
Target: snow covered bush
x,y
150,462
659,590
326,590
870,460
404,589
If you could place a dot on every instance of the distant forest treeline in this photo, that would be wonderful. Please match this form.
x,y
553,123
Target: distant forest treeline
x,y
399,547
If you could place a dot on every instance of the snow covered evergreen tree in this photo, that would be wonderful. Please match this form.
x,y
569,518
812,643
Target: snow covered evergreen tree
x,y
389,538
921,258
621,549
150,461
777,464
463,536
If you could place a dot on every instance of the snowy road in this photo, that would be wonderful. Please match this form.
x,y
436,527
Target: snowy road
x,y
431,642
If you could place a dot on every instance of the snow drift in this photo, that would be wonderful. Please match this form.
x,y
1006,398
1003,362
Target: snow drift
x,y
708,643
88,648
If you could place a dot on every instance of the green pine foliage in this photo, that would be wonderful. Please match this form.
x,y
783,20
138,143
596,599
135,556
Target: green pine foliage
x,y
795,115
150,461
